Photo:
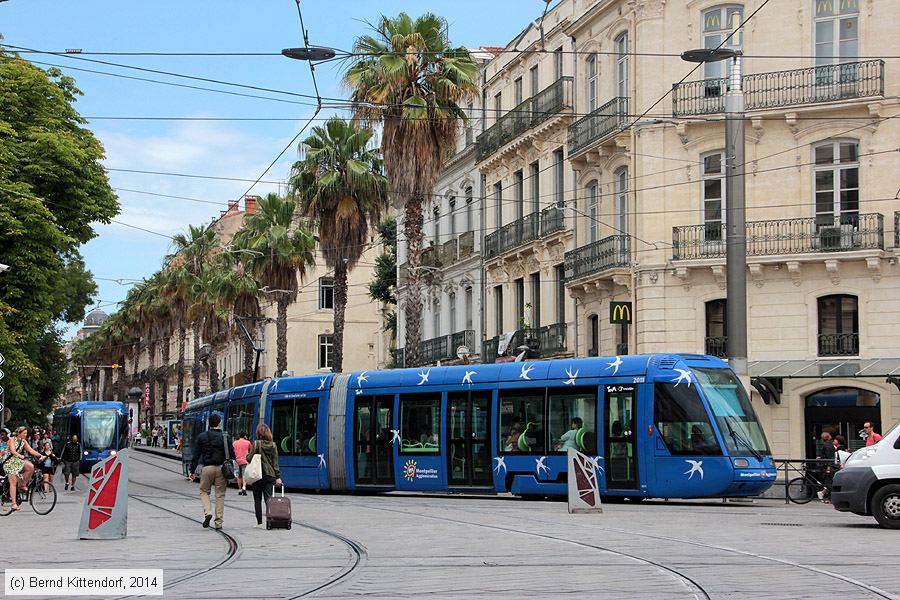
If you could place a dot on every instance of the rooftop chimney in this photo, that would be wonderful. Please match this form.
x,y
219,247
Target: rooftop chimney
x,y
233,206
250,204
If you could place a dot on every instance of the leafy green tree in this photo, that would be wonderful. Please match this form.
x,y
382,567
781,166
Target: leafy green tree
x,y
278,253
342,188
408,78
52,188
383,286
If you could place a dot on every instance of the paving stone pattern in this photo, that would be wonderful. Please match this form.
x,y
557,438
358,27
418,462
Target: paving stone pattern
x,y
417,546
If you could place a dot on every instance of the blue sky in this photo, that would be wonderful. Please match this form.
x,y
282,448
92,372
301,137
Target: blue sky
x,y
240,149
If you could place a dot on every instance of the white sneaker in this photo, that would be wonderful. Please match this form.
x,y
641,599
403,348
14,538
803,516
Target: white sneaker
x,y
259,526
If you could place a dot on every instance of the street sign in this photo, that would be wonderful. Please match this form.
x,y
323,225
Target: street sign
x,y
146,395
1,407
2,374
2,360
620,312
1,392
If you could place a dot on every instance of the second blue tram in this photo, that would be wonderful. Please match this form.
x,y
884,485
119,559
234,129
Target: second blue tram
x,y
665,426
101,427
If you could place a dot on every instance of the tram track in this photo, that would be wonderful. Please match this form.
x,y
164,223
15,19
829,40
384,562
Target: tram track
x,y
697,589
358,553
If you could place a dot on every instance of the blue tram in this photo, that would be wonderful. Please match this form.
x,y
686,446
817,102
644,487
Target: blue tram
x,y
100,426
667,426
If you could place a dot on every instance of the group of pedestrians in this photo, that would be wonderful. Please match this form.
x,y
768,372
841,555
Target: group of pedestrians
x,y
214,448
833,451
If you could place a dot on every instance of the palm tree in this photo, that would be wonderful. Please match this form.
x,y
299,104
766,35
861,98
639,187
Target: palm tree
x,y
340,185
240,291
207,308
278,250
407,78
191,251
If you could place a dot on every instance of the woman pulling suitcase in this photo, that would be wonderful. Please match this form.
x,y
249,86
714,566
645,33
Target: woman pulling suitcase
x,y
267,451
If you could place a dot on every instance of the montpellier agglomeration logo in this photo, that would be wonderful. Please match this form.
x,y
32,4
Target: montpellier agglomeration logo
x,y
409,470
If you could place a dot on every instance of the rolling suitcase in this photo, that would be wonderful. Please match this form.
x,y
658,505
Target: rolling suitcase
x,y
278,511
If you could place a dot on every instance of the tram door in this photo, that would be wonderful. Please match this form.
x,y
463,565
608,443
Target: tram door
x,y
374,420
621,437
468,452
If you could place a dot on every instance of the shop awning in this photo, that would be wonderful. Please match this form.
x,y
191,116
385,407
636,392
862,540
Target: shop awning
x,y
765,375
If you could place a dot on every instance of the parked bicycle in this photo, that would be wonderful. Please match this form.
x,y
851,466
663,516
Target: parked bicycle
x,y
40,494
801,490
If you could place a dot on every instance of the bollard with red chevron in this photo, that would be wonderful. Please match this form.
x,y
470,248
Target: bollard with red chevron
x,y
105,514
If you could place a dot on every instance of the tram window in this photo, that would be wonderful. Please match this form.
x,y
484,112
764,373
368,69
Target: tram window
x,y
283,425
240,419
420,424
682,420
75,427
306,416
522,423
99,429
573,420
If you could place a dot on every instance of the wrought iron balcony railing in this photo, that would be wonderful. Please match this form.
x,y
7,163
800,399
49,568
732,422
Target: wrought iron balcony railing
x,y
552,338
897,229
839,344
512,235
716,345
552,220
527,115
602,121
812,85
444,347
399,357
784,236
489,350
596,257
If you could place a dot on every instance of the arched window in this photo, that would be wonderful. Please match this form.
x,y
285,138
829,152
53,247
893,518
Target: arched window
x,y
718,23
592,82
838,325
716,328
836,181
622,65
712,194
451,302
436,318
470,223
593,211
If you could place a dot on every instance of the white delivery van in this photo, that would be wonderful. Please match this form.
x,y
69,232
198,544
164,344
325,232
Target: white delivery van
x,y
869,483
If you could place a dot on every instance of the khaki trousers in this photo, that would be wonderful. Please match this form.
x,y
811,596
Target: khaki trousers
x,y
212,476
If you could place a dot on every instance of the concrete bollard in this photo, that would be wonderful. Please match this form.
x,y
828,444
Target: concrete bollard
x,y
584,493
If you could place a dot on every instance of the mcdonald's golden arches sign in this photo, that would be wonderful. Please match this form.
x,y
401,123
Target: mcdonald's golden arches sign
x,y
620,312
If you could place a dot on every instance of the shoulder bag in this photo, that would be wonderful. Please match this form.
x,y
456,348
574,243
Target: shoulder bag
x,y
253,470
229,467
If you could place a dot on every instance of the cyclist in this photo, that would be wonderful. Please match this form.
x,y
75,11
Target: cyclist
x,y
16,466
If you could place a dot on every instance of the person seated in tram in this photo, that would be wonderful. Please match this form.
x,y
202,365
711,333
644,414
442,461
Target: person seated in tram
x,y
512,439
702,443
567,440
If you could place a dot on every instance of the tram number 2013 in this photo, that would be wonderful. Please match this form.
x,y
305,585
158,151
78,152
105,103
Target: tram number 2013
x,y
638,380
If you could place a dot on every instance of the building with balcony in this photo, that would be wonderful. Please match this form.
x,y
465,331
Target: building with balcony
x,y
604,180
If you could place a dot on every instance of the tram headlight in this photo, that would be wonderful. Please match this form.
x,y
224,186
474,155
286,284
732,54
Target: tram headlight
x,y
85,452
112,452
741,463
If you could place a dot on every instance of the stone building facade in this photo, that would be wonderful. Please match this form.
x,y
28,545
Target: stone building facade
x,y
603,168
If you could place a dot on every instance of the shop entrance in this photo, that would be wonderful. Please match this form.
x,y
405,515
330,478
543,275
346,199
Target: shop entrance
x,y
840,411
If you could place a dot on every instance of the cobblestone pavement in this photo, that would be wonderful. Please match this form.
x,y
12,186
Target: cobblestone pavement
x,y
413,546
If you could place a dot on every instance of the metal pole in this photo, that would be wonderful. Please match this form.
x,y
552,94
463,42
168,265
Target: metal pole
x,y
735,238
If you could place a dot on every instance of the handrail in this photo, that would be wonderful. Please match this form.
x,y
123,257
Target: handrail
x,y
789,466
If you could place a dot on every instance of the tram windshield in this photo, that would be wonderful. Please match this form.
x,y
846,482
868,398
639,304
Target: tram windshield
x,y
99,429
731,407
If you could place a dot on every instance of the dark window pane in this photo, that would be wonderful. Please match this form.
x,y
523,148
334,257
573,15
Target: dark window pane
x,y
712,211
682,420
573,420
849,178
712,164
712,188
420,425
824,154
824,180
849,153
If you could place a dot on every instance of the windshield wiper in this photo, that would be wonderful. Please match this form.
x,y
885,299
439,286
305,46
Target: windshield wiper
x,y
738,438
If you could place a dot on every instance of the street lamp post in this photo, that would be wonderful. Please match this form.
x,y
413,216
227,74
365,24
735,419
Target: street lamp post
x,y
735,211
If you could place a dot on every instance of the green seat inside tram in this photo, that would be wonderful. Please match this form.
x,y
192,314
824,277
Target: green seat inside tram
x,y
522,443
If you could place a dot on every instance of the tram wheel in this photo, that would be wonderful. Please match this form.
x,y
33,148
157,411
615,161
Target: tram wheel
x,y
800,490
